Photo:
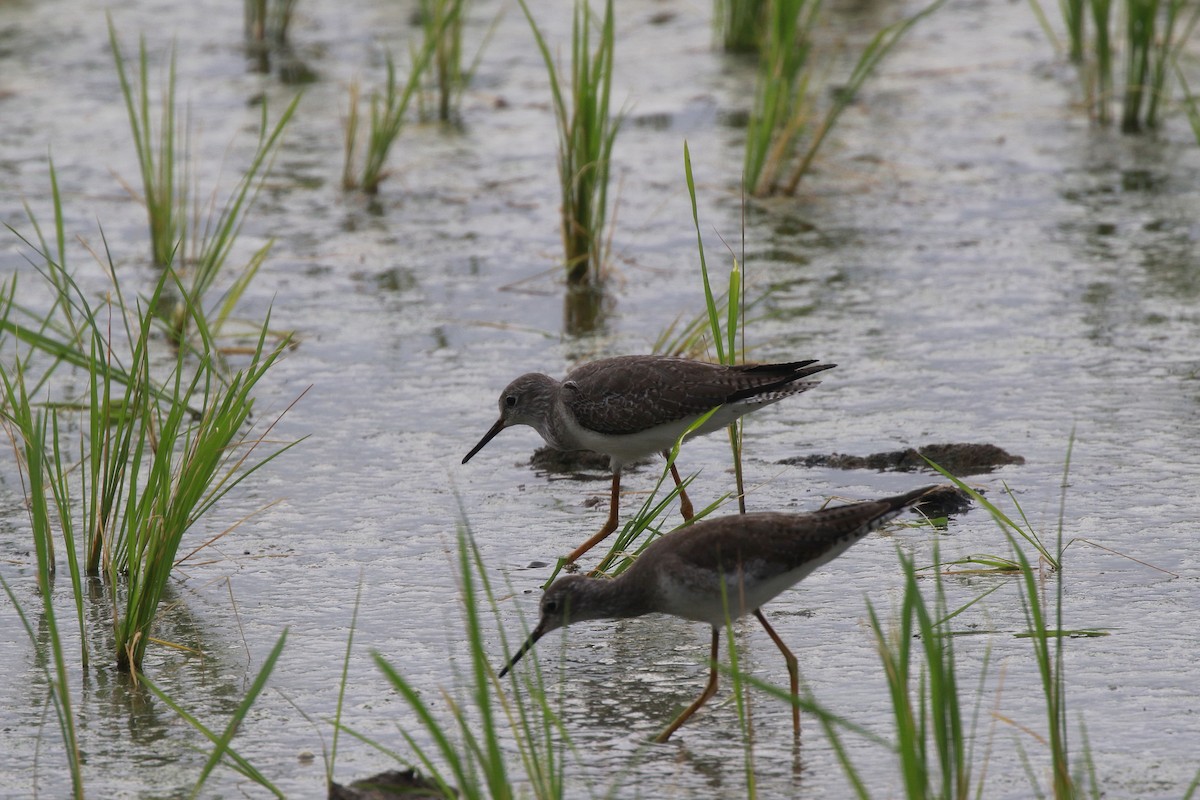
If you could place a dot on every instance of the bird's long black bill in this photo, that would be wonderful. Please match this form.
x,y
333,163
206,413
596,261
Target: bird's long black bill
x,y
525,648
487,437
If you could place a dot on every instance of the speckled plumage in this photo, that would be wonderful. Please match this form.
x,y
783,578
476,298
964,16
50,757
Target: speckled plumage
x,y
756,556
629,407
633,406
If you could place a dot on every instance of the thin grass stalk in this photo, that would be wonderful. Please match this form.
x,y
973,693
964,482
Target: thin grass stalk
x,y
540,736
337,714
1193,787
1049,666
725,342
709,301
442,23
59,683
60,487
1003,520
111,425
1075,19
1139,38
1102,20
945,712
222,741
1167,52
220,233
55,266
897,660
28,432
740,696
1191,106
350,129
497,777
830,722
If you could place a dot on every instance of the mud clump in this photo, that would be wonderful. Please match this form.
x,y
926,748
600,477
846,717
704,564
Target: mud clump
x,y
957,459
393,783
944,501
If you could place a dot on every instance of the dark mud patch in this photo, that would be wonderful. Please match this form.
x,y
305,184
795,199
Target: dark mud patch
x,y
393,783
944,501
957,459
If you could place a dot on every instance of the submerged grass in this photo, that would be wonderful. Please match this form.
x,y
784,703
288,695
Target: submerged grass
x,y
586,134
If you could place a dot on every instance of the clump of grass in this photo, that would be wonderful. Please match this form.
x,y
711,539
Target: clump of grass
x,y
442,23
781,105
784,136
199,249
931,736
388,112
1150,35
586,134
154,455
163,190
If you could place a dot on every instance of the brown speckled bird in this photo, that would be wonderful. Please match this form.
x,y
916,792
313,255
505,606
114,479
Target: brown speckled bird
x,y
630,407
718,569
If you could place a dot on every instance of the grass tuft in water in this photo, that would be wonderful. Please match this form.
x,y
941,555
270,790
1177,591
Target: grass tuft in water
x,y
586,134
163,189
153,455
931,737
268,20
442,23
387,121
197,249
1150,36
784,136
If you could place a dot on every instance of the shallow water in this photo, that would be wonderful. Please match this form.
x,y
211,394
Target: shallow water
x,y
982,264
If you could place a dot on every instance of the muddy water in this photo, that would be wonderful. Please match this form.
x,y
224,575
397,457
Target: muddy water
x,y
982,264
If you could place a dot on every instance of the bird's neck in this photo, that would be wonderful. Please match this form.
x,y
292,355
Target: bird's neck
x,y
618,598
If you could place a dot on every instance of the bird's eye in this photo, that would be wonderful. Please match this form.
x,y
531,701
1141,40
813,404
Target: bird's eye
x,y
510,401
551,607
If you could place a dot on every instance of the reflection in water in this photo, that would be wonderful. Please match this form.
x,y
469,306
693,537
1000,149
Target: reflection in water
x,y
585,310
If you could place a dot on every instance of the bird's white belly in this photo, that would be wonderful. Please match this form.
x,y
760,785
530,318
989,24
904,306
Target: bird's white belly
x,y
628,447
699,597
